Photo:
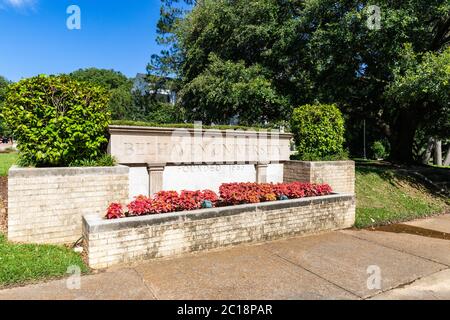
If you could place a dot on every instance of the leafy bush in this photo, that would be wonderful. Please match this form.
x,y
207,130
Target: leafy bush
x,y
318,131
230,194
57,120
378,150
105,160
343,155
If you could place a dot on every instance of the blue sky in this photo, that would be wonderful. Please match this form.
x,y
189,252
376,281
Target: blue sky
x,y
115,34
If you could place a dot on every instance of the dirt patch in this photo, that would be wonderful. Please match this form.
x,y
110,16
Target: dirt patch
x,y
3,205
80,244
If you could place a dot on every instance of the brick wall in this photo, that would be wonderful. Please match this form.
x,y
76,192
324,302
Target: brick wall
x,y
45,205
109,242
3,204
340,175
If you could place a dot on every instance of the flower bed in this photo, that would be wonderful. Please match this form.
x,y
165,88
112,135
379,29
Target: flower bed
x,y
229,194
110,242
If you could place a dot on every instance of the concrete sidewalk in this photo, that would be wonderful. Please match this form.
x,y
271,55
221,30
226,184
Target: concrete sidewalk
x,y
335,265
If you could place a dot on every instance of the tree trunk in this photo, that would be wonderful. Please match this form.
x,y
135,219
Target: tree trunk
x,y
447,158
402,139
438,152
427,155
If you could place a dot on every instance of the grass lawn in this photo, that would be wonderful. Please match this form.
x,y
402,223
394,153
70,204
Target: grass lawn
x,y
21,263
6,161
387,194
436,166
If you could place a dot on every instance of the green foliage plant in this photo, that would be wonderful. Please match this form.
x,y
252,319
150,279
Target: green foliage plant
x,y
378,150
318,131
57,120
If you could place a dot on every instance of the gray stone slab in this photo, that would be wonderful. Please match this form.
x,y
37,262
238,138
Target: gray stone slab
x,y
434,249
439,223
245,272
433,287
18,172
123,284
344,260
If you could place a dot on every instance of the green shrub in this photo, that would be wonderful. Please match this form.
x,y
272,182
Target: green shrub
x,y
319,132
343,155
57,120
378,150
105,160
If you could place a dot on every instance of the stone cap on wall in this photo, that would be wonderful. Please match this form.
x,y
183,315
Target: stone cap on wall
x,y
19,172
325,163
169,130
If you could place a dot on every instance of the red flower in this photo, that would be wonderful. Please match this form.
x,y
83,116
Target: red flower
x,y
166,201
230,194
114,211
210,195
238,193
190,200
142,205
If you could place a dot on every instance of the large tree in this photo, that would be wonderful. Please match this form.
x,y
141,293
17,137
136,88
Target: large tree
x,y
4,83
127,102
315,50
164,68
117,84
420,89
230,90
3,86
108,79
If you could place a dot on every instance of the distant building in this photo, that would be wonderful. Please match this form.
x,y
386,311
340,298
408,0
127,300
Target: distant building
x,y
164,95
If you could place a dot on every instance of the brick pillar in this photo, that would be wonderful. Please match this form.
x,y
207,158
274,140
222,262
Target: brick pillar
x,y
155,178
261,172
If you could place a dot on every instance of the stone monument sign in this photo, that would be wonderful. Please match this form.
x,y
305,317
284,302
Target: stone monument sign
x,y
174,158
